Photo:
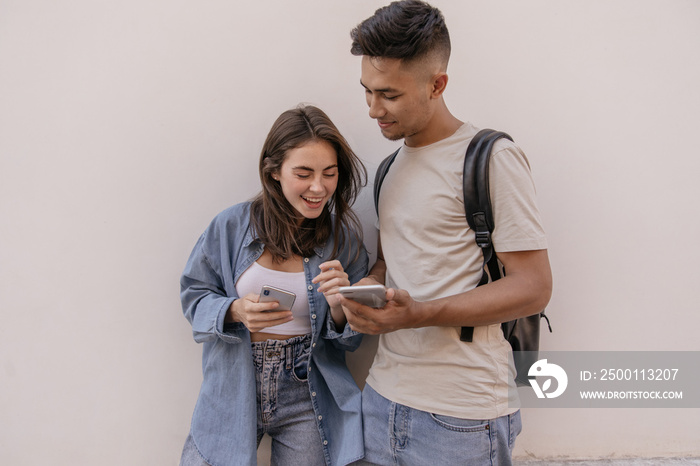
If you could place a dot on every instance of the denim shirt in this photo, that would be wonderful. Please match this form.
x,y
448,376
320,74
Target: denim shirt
x,y
224,423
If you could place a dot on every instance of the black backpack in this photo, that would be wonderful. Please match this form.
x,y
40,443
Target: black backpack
x,y
523,334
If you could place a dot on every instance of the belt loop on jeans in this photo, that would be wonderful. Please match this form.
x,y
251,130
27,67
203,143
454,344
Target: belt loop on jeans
x,y
289,352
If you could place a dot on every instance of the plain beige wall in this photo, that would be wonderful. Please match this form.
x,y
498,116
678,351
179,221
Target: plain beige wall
x,y
126,126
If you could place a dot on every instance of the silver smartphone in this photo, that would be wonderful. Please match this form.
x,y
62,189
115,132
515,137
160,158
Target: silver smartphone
x,y
285,298
369,295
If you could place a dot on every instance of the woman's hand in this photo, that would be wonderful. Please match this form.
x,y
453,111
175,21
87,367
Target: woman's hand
x,y
254,315
331,278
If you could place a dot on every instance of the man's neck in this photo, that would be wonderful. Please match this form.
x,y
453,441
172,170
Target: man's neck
x,y
441,126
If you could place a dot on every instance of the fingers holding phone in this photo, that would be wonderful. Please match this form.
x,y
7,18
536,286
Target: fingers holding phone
x,y
257,312
382,310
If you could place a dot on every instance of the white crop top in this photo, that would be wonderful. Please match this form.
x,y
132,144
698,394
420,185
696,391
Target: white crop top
x,y
252,281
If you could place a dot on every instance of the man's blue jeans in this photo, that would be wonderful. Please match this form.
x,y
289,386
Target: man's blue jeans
x,y
398,435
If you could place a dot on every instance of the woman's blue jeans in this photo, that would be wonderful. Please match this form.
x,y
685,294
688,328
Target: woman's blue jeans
x,y
284,406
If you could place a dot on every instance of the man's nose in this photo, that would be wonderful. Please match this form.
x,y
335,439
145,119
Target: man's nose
x,y
376,109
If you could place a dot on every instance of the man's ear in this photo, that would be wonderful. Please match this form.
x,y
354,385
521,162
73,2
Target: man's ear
x,y
439,85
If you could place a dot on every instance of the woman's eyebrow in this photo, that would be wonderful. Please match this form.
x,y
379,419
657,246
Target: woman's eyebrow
x,y
305,168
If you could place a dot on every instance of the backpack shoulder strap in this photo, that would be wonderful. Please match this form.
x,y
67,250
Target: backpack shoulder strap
x,y
379,177
477,203
475,185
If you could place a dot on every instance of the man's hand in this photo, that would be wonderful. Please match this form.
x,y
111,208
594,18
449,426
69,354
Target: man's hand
x,y
524,291
368,280
400,311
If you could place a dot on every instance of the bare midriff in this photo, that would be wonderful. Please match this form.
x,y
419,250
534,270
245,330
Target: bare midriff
x,y
263,336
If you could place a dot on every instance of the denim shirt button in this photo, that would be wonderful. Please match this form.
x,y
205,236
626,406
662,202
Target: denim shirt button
x,y
311,287
313,316
306,259
320,418
313,393
325,442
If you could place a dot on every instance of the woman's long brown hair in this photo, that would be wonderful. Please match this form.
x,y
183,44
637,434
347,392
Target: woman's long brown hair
x,y
273,218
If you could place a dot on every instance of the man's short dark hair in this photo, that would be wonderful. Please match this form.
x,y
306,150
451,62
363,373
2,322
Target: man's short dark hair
x,y
406,30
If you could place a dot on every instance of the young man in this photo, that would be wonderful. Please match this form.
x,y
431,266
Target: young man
x,y
431,398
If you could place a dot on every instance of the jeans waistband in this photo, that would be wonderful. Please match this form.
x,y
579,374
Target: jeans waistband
x,y
280,349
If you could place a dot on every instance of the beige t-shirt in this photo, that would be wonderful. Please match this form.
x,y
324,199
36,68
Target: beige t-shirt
x,y
430,251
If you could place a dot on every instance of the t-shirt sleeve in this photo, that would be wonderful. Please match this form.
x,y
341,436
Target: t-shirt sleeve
x,y
518,225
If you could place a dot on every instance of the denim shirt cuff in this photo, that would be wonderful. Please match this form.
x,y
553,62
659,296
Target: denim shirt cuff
x,y
333,334
229,332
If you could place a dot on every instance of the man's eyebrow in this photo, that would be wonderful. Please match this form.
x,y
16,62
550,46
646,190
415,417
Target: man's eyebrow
x,y
384,90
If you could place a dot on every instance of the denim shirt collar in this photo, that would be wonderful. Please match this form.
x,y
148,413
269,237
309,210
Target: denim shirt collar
x,y
251,237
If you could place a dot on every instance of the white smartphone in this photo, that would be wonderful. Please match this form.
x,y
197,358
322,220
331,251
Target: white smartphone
x,y
369,295
285,298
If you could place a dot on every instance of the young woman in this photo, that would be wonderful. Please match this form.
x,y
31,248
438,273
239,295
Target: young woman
x,y
276,371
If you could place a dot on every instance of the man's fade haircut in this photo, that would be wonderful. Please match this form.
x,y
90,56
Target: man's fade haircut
x,y
408,30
